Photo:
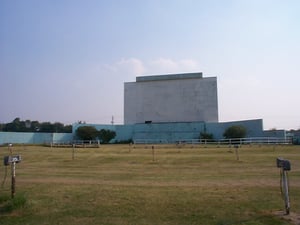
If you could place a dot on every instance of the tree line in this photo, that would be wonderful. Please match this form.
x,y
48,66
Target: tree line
x,y
91,133
18,125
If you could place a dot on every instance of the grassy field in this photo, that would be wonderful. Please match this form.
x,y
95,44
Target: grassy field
x,y
116,184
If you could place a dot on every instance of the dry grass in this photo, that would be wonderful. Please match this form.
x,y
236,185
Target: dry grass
x,y
118,185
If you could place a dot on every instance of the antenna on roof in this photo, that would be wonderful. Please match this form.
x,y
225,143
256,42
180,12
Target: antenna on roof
x,y
112,120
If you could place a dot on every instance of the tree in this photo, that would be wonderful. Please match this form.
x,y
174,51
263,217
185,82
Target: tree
x,y
18,125
207,136
87,133
35,126
47,127
15,126
235,132
106,135
67,129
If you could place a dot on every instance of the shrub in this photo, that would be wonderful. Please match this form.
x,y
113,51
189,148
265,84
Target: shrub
x,y
87,133
235,132
207,136
105,136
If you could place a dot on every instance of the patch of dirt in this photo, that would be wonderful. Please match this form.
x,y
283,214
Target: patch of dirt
x,y
293,218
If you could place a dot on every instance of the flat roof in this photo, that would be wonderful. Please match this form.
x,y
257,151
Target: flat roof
x,y
169,77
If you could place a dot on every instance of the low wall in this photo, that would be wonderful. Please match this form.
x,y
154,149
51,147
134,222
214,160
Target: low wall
x,y
254,128
275,133
173,132
164,132
33,138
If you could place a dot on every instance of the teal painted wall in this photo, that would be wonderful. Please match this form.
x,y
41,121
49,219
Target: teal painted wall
x,y
167,132
160,132
254,128
33,138
275,133
173,132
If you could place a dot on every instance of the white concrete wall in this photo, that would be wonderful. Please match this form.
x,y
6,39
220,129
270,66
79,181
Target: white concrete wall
x,y
171,100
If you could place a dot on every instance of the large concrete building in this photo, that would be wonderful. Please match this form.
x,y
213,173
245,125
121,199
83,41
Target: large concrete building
x,y
187,97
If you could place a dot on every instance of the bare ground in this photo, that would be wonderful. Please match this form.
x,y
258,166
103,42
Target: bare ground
x,y
293,218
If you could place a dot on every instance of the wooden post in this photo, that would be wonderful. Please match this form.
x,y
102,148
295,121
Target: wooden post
x,y
153,153
73,152
236,147
10,149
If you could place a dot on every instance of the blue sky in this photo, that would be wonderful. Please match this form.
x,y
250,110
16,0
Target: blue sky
x,y
67,60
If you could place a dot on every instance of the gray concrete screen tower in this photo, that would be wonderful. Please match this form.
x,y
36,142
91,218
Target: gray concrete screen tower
x,y
184,97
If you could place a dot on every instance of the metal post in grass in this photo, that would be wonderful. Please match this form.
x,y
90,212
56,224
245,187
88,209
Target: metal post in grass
x,y
12,160
13,179
73,151
236,149
13,173
153,158
284,166
10,149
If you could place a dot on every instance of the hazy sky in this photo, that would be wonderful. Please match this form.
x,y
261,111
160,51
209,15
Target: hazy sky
x,y
67,60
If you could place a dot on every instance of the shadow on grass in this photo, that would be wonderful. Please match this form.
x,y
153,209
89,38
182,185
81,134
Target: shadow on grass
x,y
257,220
8,204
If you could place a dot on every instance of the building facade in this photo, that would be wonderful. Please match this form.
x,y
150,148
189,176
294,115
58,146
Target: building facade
x,y
184,97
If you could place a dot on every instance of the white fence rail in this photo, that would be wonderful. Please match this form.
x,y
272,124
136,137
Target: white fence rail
x,y
76,143
233,141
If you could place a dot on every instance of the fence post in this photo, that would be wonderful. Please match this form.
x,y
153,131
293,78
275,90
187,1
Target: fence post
x,y
153,159
73,151
236,147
